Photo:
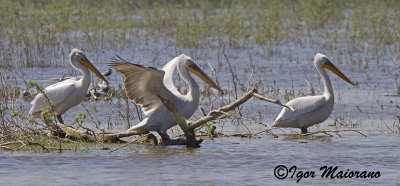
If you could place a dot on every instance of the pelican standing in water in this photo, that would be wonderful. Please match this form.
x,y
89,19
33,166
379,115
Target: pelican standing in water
x,y
67,93
143,83
311,110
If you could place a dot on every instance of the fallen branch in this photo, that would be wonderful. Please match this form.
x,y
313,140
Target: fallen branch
x,y
5,147
186,125
220,111
103,137
10,143
272,101
150,139
191,140
189,126
224,109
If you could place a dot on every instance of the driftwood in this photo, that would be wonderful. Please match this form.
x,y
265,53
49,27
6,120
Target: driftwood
x,y
272,101
189,126
100,137
150,139
186,125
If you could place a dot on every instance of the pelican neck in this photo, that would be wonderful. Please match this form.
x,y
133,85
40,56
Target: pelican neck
x,y
328,90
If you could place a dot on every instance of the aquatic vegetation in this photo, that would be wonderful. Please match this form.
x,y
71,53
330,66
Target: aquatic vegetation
x,y
189,32
319,13
9,92
269,28
373,29
234,26
42,143
40,32
79,119
342,121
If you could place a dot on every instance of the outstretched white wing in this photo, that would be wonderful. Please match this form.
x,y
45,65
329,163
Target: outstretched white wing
x,y
142,84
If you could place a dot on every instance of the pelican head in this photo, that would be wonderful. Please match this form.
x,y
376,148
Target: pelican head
x,y
193,68
322,60
80,61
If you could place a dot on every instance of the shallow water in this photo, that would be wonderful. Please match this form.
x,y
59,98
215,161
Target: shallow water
x,y
230,160
219,161
287,71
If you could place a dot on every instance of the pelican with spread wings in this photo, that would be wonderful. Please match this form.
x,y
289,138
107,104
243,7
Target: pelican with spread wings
x,y
67,93
311,110
143,83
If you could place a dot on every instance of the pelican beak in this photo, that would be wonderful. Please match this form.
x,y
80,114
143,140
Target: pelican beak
x,y
85,61
329,65
193,68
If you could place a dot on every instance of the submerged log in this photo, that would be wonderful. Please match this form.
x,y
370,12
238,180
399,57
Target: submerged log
x,y
186,125
150,139
189,126
191,140
99,137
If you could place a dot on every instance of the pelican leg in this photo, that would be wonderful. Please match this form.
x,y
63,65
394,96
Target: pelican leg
x,y
303,130
60,119
165,140
163,136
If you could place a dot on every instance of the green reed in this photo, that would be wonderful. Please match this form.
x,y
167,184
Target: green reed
x,y
39,33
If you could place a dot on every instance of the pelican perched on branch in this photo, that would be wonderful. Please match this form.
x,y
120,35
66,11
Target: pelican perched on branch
x,y
143,83
67,93
311,110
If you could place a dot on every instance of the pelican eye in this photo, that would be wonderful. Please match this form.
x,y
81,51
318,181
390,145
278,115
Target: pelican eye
x,y
326,60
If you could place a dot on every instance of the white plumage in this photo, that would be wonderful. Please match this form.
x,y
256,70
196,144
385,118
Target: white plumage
x,y
311,110
67,93
143,83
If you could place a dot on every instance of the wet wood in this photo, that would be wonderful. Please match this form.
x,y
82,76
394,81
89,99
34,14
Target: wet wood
x,y
275,101
151,139
189,126
186,125
214,114
191,140
96,137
